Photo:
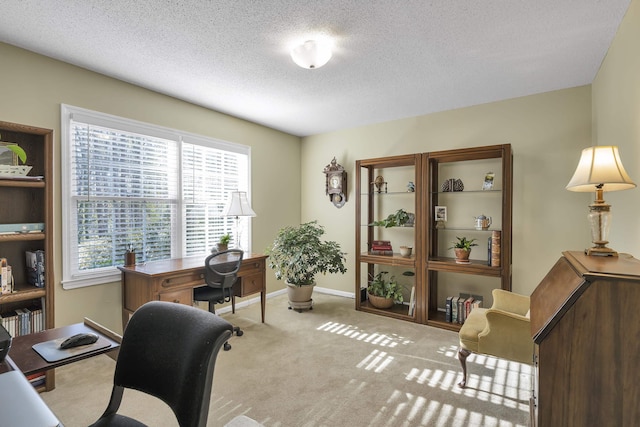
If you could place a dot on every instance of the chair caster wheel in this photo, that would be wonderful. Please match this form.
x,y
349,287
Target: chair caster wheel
x,y
290,308
227,346
239,333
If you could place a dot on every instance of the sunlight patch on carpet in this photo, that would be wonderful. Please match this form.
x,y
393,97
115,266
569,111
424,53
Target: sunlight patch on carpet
x,y
356,333
376,361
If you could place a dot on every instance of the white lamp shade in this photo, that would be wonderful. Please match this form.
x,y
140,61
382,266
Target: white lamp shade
x,y
312,54
238,205
600,165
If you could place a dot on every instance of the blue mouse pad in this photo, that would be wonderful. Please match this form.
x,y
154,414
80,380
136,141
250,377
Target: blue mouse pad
x,y
51,351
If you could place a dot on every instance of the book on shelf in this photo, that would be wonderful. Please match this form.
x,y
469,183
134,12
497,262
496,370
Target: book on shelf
x,y
383,252
381,242
4,277
412,301
35,268
37,379
381,248
454,309
468,305
495,248
447,309
461,316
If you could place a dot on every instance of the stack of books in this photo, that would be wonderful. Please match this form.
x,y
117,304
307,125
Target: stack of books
x,y
493,246
23,321
381,247
457,309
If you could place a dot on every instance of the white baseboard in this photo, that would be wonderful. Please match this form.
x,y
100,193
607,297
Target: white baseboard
x,y
256,299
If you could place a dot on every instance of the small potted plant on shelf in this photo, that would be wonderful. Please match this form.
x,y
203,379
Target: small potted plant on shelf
x,y
223,243
383,292
462,248
19,153
400,218
297,254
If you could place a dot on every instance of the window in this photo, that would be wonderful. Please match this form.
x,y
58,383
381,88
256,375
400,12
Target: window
x,y
128,184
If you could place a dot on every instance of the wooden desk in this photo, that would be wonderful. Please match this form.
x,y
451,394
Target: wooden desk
x,y
174,279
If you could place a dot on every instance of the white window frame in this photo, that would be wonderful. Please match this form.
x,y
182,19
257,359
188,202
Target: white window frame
x,y
71,277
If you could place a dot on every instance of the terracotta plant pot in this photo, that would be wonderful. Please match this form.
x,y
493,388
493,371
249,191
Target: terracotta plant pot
x,y
380,302
462,255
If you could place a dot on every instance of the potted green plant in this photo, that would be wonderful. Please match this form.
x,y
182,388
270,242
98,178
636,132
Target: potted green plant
x,y
223,243
399,218
462,248
297,254
383,292
14,169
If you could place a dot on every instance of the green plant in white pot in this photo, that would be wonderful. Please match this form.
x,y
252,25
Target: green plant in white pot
x,y
298,254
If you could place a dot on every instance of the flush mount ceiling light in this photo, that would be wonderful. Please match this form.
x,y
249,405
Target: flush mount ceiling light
x,y
311,54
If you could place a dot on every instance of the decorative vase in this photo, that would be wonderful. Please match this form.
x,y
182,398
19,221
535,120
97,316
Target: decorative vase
x,y
380,302
462,255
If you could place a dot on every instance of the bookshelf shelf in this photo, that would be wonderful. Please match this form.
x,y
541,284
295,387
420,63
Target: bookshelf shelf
x,y
28,200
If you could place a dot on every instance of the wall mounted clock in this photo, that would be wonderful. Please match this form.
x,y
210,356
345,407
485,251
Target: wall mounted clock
x,y
336,183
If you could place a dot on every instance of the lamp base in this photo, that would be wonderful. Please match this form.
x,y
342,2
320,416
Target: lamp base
x,y
600,251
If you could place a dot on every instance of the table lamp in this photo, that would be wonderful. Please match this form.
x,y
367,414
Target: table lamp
x,y
600,169
238,206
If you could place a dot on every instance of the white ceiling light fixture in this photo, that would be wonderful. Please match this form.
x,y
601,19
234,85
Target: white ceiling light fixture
x,y
312,54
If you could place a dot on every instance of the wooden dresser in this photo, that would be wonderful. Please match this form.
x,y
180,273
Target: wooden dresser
x,y
585,323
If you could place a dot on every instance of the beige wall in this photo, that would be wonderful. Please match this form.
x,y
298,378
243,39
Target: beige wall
x,y
546,131
33,87
616,121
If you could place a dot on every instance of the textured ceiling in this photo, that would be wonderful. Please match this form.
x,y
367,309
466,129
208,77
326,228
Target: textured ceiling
x,y
393,59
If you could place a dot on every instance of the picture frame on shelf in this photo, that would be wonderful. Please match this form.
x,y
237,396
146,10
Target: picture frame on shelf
x,y
488,181
441,213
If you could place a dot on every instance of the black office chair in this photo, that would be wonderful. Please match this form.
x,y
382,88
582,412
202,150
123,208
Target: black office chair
x,y
220,274
168,351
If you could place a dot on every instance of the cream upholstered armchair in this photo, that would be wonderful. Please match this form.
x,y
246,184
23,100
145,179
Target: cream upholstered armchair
x,y
503,331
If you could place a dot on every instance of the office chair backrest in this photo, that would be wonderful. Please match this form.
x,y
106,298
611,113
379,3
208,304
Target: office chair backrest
x,y
168,351
221,269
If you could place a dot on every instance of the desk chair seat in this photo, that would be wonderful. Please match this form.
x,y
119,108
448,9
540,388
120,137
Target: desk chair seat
x,y
220,274
168,351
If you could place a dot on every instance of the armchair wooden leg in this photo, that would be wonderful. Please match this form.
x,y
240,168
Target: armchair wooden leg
x,y
462,357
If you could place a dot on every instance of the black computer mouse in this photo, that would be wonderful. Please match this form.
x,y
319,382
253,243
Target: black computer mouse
x,y
78,340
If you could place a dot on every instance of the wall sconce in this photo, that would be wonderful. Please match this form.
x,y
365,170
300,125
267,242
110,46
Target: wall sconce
x,y
312,54
600,169
238,206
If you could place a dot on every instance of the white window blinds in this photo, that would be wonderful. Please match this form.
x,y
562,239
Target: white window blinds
x,y
130,185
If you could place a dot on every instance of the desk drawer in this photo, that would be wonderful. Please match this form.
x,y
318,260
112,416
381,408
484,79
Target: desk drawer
x,y
251,284
181,296
192,279
250,267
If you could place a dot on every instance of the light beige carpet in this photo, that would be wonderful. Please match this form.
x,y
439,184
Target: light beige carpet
x,y
332,366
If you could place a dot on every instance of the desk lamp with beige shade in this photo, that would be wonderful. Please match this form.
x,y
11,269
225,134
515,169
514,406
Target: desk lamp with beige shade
x,y
600,169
